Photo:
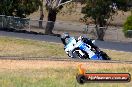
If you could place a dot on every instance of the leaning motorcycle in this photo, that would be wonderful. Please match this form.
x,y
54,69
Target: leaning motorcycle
x,y
84,51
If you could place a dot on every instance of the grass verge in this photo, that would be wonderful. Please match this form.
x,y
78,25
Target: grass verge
x,y
29,48
32,48
15,73
38,73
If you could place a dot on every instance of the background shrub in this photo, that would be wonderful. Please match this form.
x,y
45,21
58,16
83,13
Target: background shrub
x,y
127,28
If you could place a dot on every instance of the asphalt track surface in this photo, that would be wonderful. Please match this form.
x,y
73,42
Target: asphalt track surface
x,y
102,44
119,46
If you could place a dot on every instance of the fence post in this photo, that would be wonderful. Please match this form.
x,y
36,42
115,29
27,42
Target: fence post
x,y
29,25
2,25
8,21
16,22
117,34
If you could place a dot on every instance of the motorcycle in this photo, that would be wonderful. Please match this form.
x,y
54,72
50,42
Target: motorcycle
x,y
84,51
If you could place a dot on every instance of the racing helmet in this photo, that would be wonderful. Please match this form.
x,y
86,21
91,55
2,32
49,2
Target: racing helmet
x,y
65,35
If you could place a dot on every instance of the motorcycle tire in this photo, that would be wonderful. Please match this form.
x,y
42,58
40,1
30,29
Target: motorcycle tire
x,y
104,56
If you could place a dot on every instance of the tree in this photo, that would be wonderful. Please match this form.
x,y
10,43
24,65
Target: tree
x,y
127,28
20,8
41,15
102,10
53,7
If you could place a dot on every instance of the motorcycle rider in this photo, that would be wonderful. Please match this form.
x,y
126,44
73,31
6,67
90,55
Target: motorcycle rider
x,y
65,38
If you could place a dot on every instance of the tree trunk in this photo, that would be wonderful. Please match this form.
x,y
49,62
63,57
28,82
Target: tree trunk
x,y
100,32
41,20
51,21
41,16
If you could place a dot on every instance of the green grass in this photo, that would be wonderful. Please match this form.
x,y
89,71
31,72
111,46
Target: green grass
x,y
119,55
61,74
32,48
21,47
50,77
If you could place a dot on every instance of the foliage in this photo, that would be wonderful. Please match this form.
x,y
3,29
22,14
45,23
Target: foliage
x,y
53,7
128,26
102,10
20,8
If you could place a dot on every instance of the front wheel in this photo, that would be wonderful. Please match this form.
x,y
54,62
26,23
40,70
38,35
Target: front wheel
x,y
104,56
80,54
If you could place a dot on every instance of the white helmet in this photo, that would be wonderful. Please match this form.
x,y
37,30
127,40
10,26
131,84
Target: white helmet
x,y
65,35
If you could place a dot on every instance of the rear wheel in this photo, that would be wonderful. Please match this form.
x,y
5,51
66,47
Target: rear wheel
x,y
104,56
